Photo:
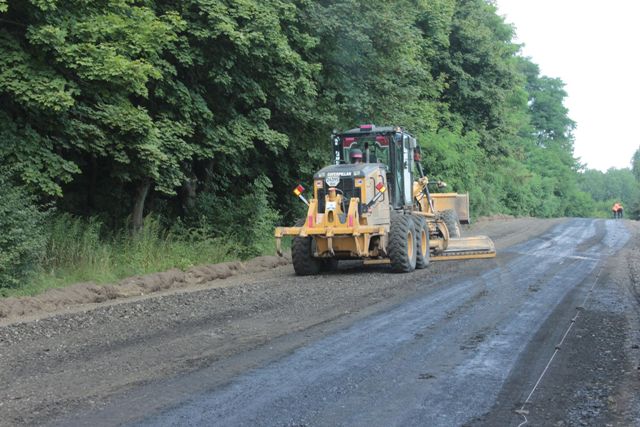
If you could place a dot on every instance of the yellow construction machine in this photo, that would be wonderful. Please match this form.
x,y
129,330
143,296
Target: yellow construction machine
x,y
367,205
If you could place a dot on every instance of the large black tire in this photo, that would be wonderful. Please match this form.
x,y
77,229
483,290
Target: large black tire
x,y
402,244
450,218
304,263
422,242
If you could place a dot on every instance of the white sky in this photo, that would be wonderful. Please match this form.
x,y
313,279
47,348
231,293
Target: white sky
x,y
594,47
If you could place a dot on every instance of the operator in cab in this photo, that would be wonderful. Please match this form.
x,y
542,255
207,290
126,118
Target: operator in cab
x,y
356,156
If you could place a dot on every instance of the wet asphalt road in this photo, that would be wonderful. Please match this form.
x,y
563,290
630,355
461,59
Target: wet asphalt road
x,y
440,358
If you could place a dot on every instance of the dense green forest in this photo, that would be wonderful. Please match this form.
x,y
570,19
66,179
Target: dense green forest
x,y
145,134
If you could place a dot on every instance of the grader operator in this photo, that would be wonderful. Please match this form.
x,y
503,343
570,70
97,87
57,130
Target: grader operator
x,y
367,205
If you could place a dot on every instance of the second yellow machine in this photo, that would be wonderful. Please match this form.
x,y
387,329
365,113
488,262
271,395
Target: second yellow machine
x,y
367,205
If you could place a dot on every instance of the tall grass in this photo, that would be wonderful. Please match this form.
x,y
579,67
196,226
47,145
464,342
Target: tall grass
x,y
80,250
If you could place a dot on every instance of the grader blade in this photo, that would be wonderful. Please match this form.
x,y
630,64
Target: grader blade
x,y
467,248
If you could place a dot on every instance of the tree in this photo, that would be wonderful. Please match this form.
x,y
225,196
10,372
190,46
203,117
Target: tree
x,y
635,165
480,73
96,64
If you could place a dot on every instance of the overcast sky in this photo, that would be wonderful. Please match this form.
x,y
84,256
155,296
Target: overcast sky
x,y
594,47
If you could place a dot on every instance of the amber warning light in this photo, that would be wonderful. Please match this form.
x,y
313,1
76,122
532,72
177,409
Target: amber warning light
x,y
381,189
298,192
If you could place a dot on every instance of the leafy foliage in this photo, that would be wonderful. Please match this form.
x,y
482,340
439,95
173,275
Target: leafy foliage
x,y
22,238
245,216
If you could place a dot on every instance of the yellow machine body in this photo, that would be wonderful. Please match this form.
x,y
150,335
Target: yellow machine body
x,y
344,230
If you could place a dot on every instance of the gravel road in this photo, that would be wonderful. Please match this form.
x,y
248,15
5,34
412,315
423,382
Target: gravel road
x,y
460,343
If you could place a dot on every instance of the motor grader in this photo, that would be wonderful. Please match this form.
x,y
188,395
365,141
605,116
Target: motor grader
x,y
373,209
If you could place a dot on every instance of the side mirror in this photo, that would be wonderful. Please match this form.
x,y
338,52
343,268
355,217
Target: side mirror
x,y
442,184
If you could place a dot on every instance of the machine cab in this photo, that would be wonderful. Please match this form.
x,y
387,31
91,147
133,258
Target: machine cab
x,y
390,146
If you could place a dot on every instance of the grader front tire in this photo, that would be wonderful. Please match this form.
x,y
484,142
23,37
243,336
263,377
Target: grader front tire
x,y
402,244
304,263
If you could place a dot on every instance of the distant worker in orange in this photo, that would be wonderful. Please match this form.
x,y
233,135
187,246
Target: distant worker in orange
x,y
617,210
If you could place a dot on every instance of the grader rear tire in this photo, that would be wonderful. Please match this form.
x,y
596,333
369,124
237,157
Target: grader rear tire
x,y
422,242
304,263
402,244
450,218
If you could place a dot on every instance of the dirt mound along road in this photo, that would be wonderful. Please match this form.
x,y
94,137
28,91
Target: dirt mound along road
x,y
406,348
71,297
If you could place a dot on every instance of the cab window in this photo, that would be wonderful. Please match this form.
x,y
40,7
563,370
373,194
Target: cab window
x,y
377,154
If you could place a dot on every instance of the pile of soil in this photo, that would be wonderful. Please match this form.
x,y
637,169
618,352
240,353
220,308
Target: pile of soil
x,y
91,293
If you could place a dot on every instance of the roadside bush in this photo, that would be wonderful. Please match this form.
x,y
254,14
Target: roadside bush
x,y
256,220
22,237
246,219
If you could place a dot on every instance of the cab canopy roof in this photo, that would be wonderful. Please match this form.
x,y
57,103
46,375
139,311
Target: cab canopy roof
x,y
371,129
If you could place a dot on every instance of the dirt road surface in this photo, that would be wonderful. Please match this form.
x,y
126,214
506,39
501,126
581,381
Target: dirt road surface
x,y
460,343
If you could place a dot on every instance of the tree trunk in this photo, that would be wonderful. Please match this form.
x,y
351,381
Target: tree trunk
x,y
138,207
189,192
91,189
